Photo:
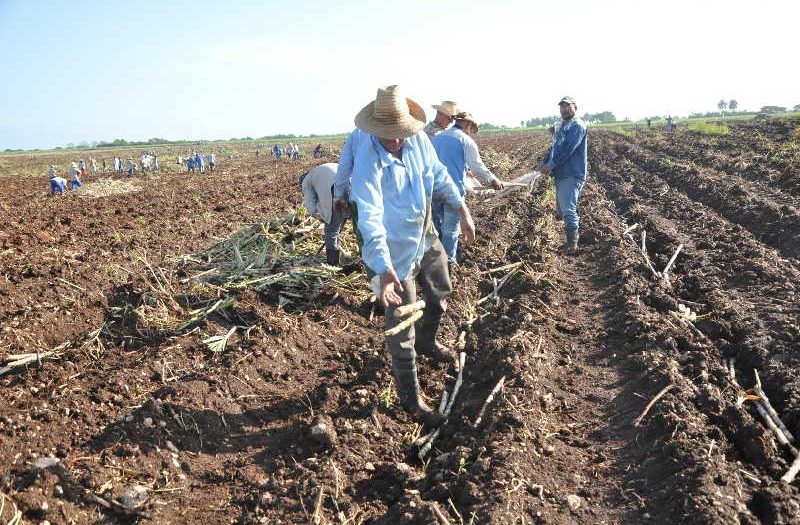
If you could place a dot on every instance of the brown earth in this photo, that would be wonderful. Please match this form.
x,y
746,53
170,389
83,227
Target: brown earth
x,y
583,343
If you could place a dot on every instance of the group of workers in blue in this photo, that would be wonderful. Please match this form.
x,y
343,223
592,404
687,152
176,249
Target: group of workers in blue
x,y
197,162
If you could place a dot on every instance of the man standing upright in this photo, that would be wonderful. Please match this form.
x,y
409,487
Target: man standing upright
x,y
395,175
445,112
567,162
459,153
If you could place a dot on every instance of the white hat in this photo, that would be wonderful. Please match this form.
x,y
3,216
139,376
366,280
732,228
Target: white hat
x,y
391,116
448,107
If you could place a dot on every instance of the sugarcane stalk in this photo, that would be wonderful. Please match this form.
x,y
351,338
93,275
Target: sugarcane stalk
x,y
406,309
402,325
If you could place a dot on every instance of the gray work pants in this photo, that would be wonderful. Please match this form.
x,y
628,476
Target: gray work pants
x,y
434,277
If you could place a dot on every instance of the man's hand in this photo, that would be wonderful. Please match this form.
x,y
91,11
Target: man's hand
x,y
497,184
388,294
340,205
467,226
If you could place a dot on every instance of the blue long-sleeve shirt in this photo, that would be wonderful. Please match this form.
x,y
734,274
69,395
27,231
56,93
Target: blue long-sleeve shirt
x,y
568,157
394,200
458,152
341,184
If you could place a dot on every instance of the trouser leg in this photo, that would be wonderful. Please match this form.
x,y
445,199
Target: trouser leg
x,y
434,278
451,228
404,361
332,230
568,190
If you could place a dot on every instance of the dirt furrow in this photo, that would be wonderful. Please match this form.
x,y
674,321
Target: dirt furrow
x,y
778,226
710,279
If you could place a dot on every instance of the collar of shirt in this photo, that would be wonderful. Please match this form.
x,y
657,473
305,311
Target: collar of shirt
x,y
387,159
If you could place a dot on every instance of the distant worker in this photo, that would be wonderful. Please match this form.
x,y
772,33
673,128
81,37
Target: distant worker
x,y
459,153
104,165
277,151
82,167
93,165
131,167
74,175
200,162
57,184
318,151
567,162
317,186
444,117
212,162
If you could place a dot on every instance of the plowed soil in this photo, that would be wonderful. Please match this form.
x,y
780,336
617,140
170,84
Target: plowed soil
x,y
616,407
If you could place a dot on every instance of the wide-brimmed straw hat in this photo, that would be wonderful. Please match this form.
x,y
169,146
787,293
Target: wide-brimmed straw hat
x,y
448,107
391,116
467,116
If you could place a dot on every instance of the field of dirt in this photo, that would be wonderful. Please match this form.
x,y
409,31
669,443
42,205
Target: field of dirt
x,y
627,393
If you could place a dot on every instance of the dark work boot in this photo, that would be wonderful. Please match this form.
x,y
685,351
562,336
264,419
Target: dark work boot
x,y
332,257
570,246
435,350
405,377
572,241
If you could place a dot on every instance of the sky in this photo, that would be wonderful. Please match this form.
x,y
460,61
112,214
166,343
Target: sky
x,y
84,71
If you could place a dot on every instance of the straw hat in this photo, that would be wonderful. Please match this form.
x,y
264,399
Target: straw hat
x,y
391,116
466,116
448,107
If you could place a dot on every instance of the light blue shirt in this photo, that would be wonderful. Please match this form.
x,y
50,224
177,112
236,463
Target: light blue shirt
x,y
394,200
341,185
458,152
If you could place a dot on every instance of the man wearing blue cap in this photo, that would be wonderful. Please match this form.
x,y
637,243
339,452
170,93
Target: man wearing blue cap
x,y
567,162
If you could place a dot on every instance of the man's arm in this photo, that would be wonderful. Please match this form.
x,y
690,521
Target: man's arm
x,y
345,169
368,196
476,165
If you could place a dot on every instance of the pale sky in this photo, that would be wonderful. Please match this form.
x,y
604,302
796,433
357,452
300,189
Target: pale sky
x,y
82,71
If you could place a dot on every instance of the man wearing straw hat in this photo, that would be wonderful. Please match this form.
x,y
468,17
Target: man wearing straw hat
x,y
567,163
458,151
444,117
395,176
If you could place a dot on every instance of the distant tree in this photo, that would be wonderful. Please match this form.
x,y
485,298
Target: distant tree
x,y
722,105
796,108
732,105
772,109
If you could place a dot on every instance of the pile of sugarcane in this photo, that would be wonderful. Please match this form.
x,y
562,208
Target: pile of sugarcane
x,y
281,256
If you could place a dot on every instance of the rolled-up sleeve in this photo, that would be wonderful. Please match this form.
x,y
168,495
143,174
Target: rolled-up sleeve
x,y
475,162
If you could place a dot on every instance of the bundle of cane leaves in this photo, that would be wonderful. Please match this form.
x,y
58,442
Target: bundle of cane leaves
x,y
280,256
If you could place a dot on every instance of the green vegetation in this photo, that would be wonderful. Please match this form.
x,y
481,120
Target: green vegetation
x,y
709,128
